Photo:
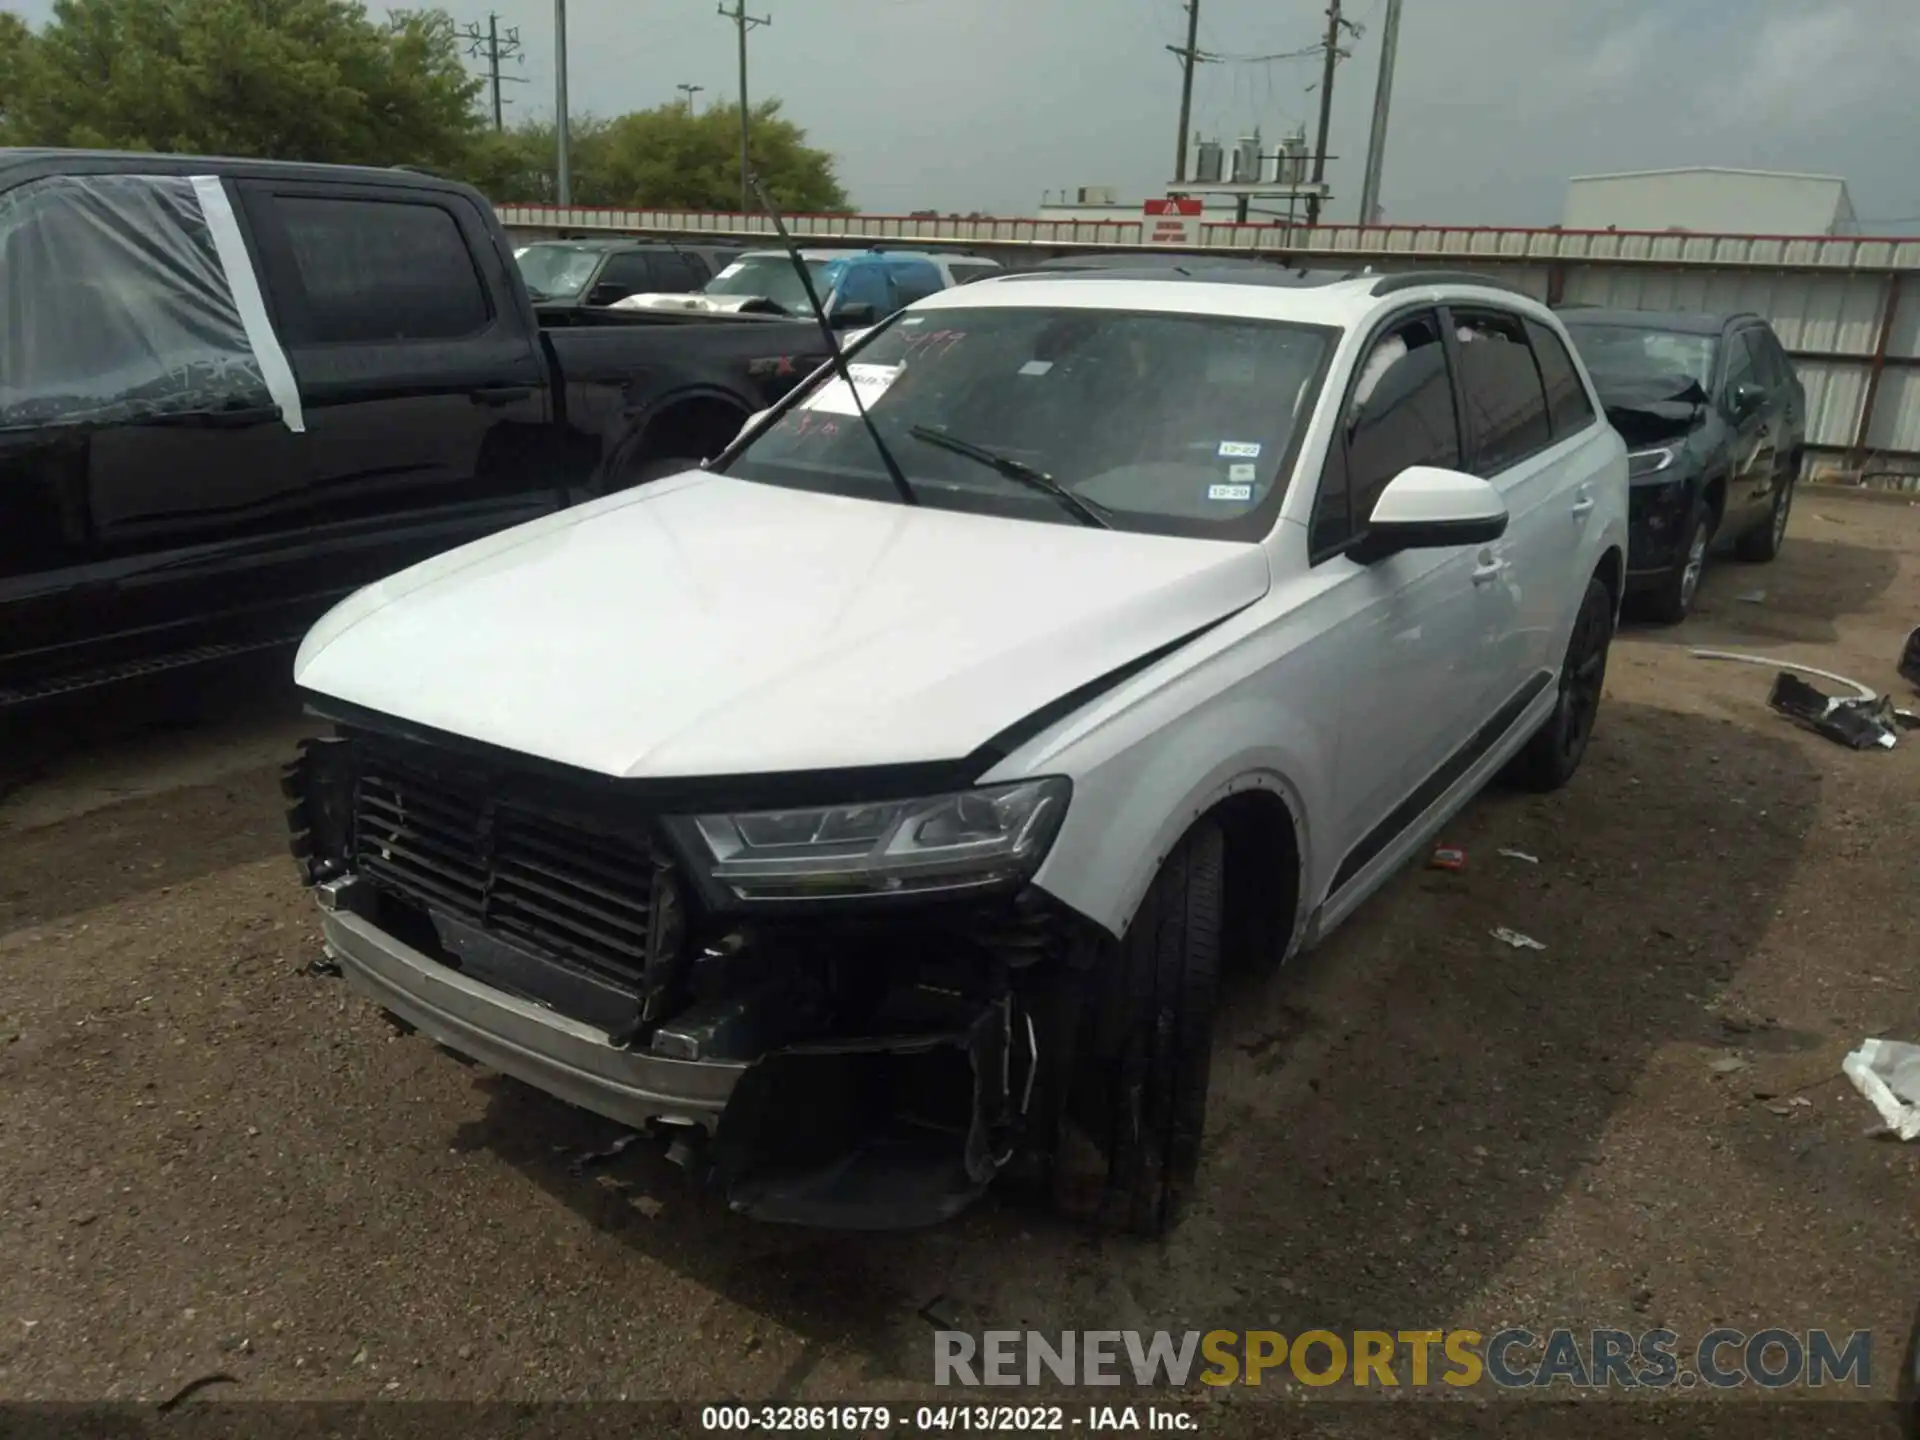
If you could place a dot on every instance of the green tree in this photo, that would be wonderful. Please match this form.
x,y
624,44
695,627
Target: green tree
x,y
662,158
15,39
289,79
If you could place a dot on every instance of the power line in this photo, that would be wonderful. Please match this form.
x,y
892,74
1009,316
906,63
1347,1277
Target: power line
x,y
744,22
493,46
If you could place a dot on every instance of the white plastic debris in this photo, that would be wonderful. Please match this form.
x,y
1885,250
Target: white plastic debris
x,y
1887,1072
1515,939
1522,856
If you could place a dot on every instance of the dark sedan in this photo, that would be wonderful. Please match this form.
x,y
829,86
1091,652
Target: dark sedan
x,y
1715,422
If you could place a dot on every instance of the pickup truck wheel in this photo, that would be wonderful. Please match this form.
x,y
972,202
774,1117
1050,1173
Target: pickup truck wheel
x,y
1137,1099
1672,601
1763,542
1551,757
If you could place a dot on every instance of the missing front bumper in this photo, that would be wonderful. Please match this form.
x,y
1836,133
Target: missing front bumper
x,y
901,1126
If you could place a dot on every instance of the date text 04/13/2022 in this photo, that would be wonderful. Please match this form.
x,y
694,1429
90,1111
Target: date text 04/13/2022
x,y
944,1419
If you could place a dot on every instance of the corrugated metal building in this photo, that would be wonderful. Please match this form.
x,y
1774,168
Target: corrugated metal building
x,y
1711,201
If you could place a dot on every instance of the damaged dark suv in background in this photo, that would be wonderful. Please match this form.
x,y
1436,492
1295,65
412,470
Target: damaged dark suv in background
x,y
1715,423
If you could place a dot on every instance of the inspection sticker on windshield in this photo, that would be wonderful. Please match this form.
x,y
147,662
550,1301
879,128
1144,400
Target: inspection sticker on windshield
x,y
1240,449
835,399
1230,492
1247,471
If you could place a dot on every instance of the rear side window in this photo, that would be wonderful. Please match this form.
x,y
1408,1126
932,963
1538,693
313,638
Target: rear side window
x,y
1568,409
674,274
1501,390
1400,413
382,270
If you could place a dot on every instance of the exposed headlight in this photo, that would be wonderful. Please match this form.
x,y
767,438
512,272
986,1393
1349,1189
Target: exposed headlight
x,y
948,842
1641,463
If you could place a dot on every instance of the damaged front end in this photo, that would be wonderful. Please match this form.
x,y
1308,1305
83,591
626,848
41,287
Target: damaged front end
x,y
836,1015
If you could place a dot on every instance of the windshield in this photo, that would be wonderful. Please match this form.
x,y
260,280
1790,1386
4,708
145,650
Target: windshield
x,y
558,272
772,277
1624,356
1169,423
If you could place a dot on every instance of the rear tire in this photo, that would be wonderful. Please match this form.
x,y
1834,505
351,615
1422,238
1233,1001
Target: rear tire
x,y
1136,1100
1762,543
1551,757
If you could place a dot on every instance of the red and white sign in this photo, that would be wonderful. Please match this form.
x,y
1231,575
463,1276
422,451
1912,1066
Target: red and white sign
x,y
1171,222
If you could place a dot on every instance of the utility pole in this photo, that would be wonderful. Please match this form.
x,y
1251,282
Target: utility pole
x,y
562,171
493,47
1189,58
1382,98
1334,26
744,22
689,91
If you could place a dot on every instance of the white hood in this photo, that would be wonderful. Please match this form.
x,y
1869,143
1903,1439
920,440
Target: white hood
x,y
708,626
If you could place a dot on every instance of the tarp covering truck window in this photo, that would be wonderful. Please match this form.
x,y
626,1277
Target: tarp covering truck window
x,y
131,297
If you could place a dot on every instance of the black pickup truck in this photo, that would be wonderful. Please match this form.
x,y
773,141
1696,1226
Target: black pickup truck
x,y
232,391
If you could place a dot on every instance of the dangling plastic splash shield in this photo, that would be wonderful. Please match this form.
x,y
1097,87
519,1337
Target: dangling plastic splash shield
x,y
131,297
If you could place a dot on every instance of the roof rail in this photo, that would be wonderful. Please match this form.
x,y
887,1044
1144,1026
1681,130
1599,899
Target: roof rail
x,y
1414,279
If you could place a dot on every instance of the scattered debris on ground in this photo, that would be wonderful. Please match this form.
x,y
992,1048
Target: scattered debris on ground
x,y
1515,939
1521,856
1865,720
1887,1072
1844,719
1447,857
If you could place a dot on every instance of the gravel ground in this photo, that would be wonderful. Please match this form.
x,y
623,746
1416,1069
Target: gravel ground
x,y
214,1161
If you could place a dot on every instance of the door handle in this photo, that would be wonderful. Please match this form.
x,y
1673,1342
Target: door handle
x,y
1582,505
1488,570
500,394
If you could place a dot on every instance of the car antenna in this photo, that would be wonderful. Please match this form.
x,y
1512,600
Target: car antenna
x,y
838,359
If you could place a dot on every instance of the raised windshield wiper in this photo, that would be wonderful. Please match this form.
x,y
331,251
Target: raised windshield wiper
x,y
1084,510
834,350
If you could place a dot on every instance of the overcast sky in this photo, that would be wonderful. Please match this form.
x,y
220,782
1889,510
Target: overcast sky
x,y
983,104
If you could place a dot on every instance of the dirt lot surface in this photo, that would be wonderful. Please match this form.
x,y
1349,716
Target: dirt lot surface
x,y
214,1161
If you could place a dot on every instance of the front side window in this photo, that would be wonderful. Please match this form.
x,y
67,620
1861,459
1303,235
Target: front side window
x,y
1500,390
382,270
1166,423
1399,414
1743,367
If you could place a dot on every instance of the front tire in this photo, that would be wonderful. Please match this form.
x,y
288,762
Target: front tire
x,y
1136,1103
1672,601
1551,757
1762,543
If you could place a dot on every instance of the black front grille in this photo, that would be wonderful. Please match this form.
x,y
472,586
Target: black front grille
x,y
451,843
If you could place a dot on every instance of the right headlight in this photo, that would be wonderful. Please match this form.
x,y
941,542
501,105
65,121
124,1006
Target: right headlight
x,y
964,841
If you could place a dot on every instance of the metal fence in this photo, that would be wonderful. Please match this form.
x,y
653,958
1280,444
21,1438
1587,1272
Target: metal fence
x,y
1846,308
